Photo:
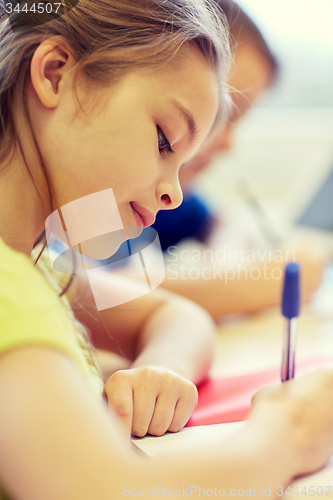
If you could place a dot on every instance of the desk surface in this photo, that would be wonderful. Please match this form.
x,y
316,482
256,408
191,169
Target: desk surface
x,y
252,343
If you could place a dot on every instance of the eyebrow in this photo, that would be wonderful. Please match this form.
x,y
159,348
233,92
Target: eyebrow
x,y
187,115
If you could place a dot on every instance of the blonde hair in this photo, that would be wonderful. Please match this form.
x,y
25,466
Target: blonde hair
x,y
107,38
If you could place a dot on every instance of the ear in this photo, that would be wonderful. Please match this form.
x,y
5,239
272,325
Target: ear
x,y
49,67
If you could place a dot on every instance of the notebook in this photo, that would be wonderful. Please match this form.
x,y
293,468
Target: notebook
x,y
193,438
228,399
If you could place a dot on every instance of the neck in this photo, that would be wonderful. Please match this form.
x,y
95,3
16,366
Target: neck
x,y
22,208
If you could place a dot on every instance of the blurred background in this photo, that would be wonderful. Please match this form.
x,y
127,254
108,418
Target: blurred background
x,y
284,145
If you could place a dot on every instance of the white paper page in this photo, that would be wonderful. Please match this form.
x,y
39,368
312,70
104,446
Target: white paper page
x,y
187,438
191,438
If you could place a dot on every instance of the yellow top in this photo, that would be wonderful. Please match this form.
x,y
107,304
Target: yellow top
x,y
31,312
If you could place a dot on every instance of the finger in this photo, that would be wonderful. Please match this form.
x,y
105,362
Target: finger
x,y
163,415
143,409
183,411
120,400
268,391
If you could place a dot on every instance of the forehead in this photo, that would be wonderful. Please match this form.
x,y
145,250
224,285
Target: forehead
x,y
250,76
189,71
189,79
251,71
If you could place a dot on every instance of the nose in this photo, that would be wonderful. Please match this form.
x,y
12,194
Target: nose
x,y
169,194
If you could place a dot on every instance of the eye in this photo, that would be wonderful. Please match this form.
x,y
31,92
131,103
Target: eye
x,y
163,143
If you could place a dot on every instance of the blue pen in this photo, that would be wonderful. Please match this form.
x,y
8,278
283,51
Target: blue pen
x,y
290,310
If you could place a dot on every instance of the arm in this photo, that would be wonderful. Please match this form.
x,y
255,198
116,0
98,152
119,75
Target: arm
x,y
231,291
169,341
61,443
158,328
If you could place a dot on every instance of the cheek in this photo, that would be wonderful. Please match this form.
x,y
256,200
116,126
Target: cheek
x,y
136,176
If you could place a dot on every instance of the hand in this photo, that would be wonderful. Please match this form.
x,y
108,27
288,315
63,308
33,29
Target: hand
x,y
312,269
312,259
151,400
312,265
299,414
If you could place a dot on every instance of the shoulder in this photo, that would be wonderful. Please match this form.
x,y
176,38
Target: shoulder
x,y
30,309
23,285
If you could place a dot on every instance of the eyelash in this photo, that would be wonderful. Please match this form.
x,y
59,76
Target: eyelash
x,y
166,148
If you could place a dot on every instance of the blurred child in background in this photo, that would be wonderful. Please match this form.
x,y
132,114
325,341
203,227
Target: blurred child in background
x,y
254,70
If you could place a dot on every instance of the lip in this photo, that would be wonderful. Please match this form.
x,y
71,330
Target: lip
x,y
142,216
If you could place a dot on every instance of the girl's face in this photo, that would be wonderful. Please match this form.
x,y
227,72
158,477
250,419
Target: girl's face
x,y
251,76
133,137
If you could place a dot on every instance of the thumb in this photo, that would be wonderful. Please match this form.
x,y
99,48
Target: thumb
x,y
120,401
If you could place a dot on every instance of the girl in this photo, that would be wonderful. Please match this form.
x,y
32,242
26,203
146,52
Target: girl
x,y
106,97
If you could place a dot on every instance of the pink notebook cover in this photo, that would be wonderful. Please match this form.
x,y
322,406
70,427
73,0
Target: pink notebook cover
x,y
228,399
